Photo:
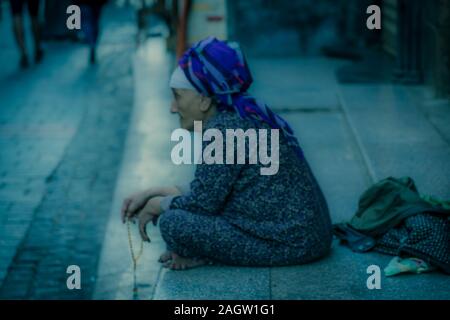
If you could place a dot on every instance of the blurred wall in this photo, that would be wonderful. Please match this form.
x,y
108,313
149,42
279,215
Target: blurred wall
x,y
282,27
436,49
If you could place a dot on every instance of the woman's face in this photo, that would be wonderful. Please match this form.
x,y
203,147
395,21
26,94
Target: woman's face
x,y
191,106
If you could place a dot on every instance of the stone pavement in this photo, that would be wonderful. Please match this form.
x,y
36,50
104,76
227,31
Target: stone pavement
x,y
62,128
352,135
146,163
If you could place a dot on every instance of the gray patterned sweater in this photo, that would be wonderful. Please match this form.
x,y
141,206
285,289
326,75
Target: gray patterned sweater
x,y
288,206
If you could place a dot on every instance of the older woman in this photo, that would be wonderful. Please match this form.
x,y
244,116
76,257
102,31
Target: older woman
x,y
230,213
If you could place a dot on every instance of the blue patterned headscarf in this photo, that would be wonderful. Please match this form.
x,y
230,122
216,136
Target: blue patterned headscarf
x,y
219,70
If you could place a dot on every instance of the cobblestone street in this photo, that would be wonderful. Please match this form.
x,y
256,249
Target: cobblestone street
x,y
62,129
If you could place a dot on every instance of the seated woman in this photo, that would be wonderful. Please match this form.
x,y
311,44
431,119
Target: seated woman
x,y
230,213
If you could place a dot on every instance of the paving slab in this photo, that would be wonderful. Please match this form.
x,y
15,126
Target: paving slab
x,y
295,83
343,275
215,283
396,137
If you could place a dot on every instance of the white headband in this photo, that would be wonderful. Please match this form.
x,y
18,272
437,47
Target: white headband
x,y
178,80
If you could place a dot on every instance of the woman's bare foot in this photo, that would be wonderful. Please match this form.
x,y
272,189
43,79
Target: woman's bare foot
x,y
166,256
180,263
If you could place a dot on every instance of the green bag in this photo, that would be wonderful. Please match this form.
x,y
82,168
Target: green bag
x,y
387,203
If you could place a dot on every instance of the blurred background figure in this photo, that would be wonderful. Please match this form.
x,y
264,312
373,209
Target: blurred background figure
x,y
154,19
90,23
17,7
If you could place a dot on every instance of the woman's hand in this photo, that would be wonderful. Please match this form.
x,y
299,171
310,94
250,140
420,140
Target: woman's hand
x,y
132,204
135,202
150,212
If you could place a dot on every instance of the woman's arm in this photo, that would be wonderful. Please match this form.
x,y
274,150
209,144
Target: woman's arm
x,y
163,191
211,186
208,191
135,202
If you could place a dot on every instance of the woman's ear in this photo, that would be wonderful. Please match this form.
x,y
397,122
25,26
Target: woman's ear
x,y
205,103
